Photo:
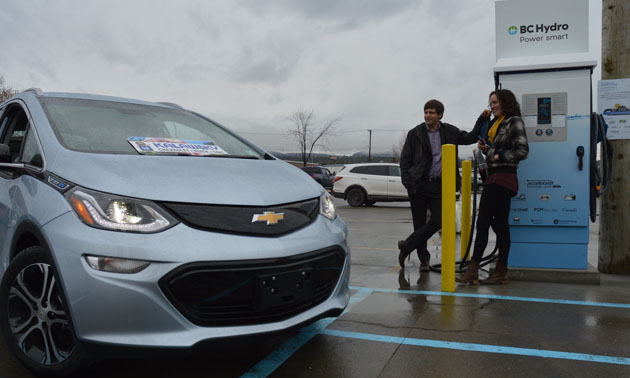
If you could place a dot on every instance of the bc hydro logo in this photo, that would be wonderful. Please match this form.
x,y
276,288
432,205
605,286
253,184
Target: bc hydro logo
x,y
512,30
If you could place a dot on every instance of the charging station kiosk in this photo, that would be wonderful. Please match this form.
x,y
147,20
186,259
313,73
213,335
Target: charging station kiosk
x,y
543,58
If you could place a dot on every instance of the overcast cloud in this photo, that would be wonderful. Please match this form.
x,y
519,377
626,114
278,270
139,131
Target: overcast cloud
x,y
250,63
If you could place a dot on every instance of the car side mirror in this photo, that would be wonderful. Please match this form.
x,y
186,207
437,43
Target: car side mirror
x,y
5,153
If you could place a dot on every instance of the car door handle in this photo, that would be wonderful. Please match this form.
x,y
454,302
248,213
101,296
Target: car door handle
x,y
392,180
363,179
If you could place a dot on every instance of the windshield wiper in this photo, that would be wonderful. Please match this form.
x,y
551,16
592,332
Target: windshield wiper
x,y
233,156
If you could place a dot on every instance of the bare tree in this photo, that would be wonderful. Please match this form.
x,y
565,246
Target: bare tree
x,y
398,146
5,92
307,134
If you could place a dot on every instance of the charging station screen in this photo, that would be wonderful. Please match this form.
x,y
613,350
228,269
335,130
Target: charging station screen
x,y
544,110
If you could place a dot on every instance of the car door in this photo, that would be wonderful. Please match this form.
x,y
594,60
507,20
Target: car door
x,y
5,199
395,187
376,180
13,127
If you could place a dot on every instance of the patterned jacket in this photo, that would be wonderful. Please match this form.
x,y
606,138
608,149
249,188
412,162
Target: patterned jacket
x,y
510,143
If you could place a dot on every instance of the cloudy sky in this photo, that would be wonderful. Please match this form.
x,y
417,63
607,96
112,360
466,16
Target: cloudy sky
x,y
249,64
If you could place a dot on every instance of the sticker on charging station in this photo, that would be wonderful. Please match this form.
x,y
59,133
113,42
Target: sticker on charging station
x,y
540,183
171,146
564,221
520,197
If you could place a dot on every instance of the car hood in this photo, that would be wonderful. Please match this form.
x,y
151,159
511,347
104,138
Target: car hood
x,y
190,179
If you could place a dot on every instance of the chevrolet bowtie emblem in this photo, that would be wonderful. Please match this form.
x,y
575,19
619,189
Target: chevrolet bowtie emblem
x,y
269,216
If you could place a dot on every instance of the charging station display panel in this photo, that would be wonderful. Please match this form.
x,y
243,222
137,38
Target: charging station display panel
x,y
545,117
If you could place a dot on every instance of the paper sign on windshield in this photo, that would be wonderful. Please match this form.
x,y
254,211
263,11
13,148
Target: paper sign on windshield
x,y
150,145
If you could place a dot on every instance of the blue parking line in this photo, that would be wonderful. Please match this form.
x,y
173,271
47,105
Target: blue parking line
x,y
502,297
276,358
480,347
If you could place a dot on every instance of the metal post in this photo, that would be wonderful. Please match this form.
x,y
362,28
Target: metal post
x,y
465,199
370,146
448,217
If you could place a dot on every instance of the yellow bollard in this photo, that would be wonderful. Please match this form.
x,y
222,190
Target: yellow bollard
x,y
448,217
465,197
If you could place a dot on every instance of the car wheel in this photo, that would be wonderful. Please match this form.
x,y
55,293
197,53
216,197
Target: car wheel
x,y
34,319
369,203
355,197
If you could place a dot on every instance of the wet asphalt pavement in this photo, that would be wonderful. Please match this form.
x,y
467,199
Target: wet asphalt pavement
x,y
400,324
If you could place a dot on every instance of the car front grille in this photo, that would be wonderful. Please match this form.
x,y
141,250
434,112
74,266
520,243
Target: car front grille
x,y
253,292
247,220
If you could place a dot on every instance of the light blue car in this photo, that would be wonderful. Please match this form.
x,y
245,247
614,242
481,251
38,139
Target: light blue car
x,y
126,223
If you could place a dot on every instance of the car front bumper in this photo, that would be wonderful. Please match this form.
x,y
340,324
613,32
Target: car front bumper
x,y
134,310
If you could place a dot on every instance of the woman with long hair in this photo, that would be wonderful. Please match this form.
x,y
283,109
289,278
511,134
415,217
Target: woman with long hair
x,y
504,146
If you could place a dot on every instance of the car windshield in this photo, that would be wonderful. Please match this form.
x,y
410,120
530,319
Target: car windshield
x,y
116,127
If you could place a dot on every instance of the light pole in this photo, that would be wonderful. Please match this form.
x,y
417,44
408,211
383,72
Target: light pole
x,y
370,146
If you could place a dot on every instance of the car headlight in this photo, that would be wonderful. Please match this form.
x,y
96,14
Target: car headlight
x,y
326,206
112,212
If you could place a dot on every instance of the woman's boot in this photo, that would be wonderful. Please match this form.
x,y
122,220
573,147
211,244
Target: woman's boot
x,y
471,275
498,275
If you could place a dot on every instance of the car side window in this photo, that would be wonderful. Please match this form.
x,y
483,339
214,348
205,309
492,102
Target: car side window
x,y
327,172
3,122
31,154
378,170
394,170
16,124
360,170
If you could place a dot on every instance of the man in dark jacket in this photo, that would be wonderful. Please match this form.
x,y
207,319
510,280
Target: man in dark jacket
x,y
421,166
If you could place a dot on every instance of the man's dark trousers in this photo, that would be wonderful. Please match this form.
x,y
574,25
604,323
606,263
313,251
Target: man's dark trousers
x,y
427,196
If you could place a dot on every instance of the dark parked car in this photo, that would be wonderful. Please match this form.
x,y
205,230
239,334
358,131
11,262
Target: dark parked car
x,y
321,175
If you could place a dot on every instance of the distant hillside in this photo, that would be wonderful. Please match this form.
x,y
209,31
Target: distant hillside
x,y
465,153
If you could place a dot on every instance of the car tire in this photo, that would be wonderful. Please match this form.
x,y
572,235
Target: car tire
x,y
369,203
34,318
355,197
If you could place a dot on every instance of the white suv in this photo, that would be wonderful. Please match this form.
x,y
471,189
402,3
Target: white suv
x,y
368,183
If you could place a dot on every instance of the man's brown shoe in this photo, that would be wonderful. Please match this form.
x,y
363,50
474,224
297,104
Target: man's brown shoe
x,y
401,253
